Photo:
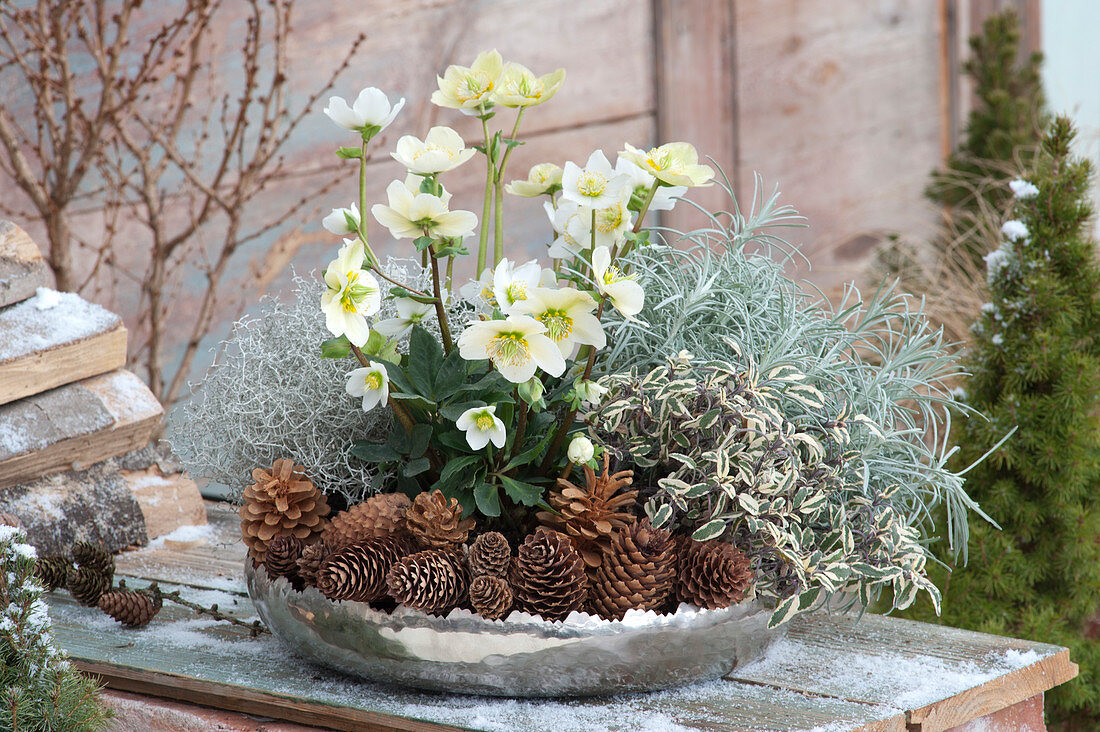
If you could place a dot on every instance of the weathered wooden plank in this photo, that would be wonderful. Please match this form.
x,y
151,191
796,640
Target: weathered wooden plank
x,y
74,426
55,339
22,268
168,501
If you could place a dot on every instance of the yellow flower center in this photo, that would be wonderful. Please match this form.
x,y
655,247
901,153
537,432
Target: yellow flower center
x,y
373,381
526,87
484,422
472,86
430,148
590,183
509,349
559,325
517,290
612,275
487,293
608,219
663,160
354,293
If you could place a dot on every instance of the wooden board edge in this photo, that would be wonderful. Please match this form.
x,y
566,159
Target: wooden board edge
x,y
248,701
898,722
995,695
112,342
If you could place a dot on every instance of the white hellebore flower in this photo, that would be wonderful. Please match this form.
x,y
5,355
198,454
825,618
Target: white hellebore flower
x,y
342,221
441,150
624,293
573,225
352,294
596,185
511,283
540,179
469,88
580,450
519,87
1014,230
482,425
411,215
664,198
674,164
589,392
479,292
369,114
372,383
612,223
1023,190
567,315
516,346
409,313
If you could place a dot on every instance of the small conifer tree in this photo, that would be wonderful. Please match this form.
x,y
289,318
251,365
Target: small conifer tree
x,y
39,690
1036,364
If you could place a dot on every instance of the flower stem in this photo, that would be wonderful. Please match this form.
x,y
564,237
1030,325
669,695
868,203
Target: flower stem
x,y
628,245
486,208
440,311
372,258
498,211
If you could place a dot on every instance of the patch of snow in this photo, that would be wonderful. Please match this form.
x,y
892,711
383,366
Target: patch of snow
x,y
997,261
1023,190
29,326
183,533
1014,230
997,339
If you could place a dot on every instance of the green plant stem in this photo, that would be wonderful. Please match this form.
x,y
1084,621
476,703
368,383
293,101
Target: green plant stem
x,y
486,207
628,245
372,258
521,426
440,311
498,210
450,271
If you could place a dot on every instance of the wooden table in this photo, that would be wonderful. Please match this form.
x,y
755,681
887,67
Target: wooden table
x,y
830,674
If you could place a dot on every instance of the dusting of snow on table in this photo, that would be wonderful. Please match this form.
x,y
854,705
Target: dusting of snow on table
x,y
182,534
48,320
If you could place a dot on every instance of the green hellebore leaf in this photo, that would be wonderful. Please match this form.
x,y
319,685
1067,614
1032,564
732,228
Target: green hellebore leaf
x,y
349,153
487,497
521,492
339,347
416,467
372,452
422,242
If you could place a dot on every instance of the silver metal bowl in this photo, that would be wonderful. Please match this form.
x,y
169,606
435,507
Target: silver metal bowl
x,y
521,656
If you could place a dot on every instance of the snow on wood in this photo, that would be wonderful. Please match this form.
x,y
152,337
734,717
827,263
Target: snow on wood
x,y
168,500
75,426
56,338
22,268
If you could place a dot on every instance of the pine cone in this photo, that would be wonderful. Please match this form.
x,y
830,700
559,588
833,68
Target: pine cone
x,y
379,515
639,572
309,564
52,572
87,584
490,554
547,576
359,572
132,609
282,557
282,502
589,515
491,596
93,556
433,580
713,574
436,523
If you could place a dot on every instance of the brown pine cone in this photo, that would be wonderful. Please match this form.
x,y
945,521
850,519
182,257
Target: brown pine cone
x,y
436,523
379,515
132,609
491,596
713,574
490,554
282,557
309,564
547,576
282,502
639,572
589,515
52,572
434,580
87,584
93,556
359,572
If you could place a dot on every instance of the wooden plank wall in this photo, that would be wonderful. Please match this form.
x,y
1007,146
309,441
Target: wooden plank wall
x,y
846,105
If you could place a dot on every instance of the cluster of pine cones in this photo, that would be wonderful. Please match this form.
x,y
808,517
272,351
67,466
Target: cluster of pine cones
x,y
590,554
88,574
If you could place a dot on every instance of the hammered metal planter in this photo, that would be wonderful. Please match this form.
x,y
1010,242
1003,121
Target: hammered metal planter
x,y
519,657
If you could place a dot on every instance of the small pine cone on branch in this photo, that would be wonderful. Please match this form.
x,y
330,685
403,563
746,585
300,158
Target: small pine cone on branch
x,y
713,574
359,572
639,572
588,515
52,572
436,522
379,515
490,555
281,502
87,584
132,609
547,576
309,564
434,580
491,596
281,559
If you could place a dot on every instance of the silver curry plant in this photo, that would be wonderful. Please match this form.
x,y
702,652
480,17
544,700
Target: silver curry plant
x,y
726,462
